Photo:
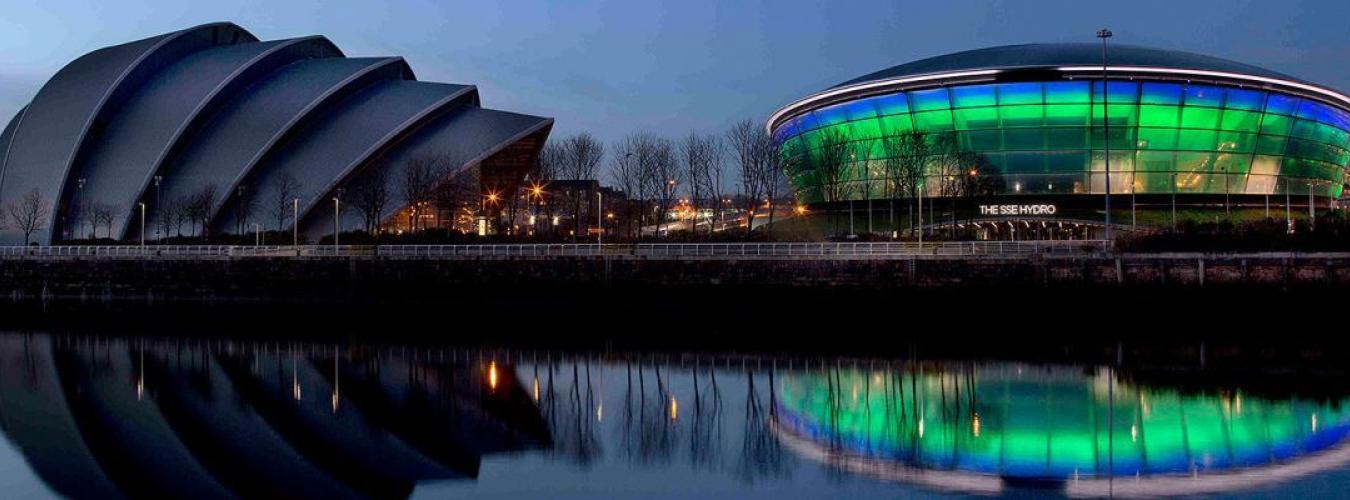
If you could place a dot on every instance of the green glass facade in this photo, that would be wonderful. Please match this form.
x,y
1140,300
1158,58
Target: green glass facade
x,y
1031,423
1049,138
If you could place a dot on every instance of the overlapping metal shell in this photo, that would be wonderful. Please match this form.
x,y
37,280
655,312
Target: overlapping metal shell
x,y
212,108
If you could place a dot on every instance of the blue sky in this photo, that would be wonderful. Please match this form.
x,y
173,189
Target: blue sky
x,y
615,66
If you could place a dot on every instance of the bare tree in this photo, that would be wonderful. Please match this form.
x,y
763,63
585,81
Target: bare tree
x,y
625,172
782,158
664,174
831,164
421,175
29,214
284,193
747,141
197,208
370,196
701,156
460,193
547,167
582,154
103,214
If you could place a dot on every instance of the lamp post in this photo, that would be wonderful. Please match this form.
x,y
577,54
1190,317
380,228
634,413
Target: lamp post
x,y
159,208
142,204
599,217
337,217
1106,133
295,222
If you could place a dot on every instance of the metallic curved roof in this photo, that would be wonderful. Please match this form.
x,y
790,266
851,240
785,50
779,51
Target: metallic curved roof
x,y
236,138
59,118
1062,60
1051,55
212,107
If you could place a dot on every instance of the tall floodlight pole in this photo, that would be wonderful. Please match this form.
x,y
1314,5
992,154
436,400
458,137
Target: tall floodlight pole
x,y
1106,134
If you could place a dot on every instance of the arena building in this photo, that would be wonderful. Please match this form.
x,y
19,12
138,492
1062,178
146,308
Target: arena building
x,y
213,114
1022,130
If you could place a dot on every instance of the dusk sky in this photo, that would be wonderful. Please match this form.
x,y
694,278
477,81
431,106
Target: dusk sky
x,y
616,66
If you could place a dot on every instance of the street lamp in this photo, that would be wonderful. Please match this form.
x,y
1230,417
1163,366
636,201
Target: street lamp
x,y
295,222
337,217
1106,133
142,204
159,210
599,220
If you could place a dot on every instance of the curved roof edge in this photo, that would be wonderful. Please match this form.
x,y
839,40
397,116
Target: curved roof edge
x,y
391,139
346,87
1009,63
265,62
115,65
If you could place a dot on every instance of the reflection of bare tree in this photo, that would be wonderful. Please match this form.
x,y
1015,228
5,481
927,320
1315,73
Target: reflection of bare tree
x,y
650,426
569,415
761,453
705,430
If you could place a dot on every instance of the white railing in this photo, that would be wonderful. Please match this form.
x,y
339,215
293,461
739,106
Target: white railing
x,y
646,250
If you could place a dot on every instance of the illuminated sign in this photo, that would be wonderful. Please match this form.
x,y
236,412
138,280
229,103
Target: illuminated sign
x,y
1044,209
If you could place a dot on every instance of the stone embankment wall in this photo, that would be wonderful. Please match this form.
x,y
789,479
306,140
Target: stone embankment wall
x,y
324,279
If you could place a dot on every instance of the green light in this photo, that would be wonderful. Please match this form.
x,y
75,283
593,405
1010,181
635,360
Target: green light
x,y
1020,421
1165,129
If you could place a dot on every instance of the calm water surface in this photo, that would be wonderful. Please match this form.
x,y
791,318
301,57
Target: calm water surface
x,y
140,418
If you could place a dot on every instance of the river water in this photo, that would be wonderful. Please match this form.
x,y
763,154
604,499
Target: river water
x,y
128,417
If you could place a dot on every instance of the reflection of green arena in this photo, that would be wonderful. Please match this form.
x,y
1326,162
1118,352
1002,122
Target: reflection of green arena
x,y
1184,124
1013,422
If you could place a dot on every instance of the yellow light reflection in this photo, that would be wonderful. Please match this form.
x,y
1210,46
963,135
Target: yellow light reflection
x,y
536,388
492,375
975,424
674,407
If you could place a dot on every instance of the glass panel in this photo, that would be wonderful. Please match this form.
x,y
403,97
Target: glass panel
x,y
1022,116
933,121
1118,92
1016,163
832,115
1281,104
1156,161
1204,95
1232,163
861,110
1023,139
1160,93
1270,145
1075,114
1275,124
1159,116
973,96
892,104
925,100
1157,138
977,118
896,124
1202,140
1236,142
982,140
1067,93
1245,99
1243,121
1019,93
1066,138
1193,117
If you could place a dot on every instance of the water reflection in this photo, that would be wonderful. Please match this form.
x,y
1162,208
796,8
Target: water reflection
x,y
113,419
132,418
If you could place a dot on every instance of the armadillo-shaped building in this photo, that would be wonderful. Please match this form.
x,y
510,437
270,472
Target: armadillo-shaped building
x,y
212,109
